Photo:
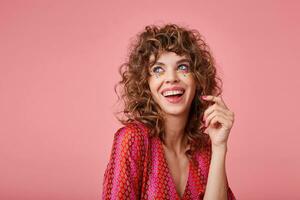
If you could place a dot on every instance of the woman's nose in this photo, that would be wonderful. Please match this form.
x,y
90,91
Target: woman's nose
x,y
172,76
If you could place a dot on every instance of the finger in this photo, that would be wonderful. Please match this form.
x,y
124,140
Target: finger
x,y
217,99
210,109
225,123
214,114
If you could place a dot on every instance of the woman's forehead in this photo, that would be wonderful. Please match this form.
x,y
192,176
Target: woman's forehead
x,y
164,56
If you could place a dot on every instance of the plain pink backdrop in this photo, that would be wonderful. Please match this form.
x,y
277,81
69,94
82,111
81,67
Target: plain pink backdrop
x,y
58,66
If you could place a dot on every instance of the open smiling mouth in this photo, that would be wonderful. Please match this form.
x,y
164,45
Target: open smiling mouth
x,y
173,96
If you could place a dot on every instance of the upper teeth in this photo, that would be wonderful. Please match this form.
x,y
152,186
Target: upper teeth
x,y
172,92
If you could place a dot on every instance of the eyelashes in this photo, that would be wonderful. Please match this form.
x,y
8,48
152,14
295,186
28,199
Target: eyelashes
x,y
186,67
159,70
155,70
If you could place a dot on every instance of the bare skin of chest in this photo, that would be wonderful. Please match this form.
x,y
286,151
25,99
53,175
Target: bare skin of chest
x,y
179,168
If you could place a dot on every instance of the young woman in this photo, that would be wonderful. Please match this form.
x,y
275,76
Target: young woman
x,y
173,141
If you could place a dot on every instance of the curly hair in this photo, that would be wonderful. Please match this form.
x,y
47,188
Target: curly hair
x,y
138,104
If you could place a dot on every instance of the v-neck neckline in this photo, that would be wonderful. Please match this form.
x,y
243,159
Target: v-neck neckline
x,y
170,174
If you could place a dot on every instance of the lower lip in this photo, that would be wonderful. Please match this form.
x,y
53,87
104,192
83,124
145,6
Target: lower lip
x,y
174,99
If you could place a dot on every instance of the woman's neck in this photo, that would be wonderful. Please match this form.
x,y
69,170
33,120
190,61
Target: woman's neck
x,y
175,139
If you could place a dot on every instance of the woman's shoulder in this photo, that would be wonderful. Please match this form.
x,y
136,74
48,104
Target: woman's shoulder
x,y
134,131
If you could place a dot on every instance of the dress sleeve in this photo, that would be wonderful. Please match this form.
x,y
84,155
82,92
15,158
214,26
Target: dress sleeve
x,y
123,175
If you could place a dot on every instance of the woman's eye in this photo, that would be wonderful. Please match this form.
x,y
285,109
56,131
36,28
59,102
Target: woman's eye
x,y
157,70
184,68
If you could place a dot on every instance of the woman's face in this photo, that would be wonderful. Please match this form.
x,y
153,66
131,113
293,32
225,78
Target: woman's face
x,y
172,84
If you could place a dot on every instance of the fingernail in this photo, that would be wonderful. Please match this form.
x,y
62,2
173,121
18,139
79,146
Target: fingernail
x,y
203,97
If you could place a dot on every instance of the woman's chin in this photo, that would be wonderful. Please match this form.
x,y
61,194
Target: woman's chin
x,y
175,111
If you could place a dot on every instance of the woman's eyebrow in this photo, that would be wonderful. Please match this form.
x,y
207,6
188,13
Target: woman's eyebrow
x,y
183,60
179,61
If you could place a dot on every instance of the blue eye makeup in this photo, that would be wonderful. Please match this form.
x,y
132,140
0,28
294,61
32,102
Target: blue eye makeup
x,y
184,67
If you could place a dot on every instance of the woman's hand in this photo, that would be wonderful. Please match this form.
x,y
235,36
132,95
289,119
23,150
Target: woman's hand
x,y
218,120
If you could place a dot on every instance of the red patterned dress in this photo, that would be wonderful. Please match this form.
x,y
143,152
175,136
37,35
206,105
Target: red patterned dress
x,y
137,169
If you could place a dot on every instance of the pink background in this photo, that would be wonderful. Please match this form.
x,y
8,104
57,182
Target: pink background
x,y
58,66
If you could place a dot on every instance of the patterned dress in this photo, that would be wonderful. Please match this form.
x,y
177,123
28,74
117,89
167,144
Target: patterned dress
x,y
138,169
